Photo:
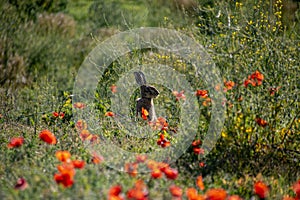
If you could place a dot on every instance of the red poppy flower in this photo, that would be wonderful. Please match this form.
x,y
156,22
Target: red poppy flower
x,y
96,159
78,164
63,156
162,141
94,139
47,137
258,77
201,164
234,197
131,169
145,113
55,114
85,135
138,192
115,191
175,191
179,95
200,183
81,125
141,158
156,173
228,85
254,79
171,173
198,150
79,105
65,175
160,124
206,102
67,168
248,81
261,189
216,194
296,188
64,178
21,184
196,143
202,93
15,142
109,114
162,166
192,194
60,115
261,122
113,88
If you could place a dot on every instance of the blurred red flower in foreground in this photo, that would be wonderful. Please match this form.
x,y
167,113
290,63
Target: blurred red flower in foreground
x,y
296,188
21,184
15,142
156,173
63,156
261,189
175,191
202,93
216,194
192,194
131,169
254,79
157,168
115,193
78,164
64,178
66,175
261,122
47,137
234,197
200,183
171,173
138,192
79,105
67,168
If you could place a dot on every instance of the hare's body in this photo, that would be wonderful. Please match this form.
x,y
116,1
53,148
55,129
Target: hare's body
x,y
147,94
146,103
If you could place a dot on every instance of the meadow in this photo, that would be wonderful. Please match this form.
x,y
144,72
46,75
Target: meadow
x,y
56,144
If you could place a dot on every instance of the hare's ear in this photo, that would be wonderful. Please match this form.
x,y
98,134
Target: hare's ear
x,y
140,78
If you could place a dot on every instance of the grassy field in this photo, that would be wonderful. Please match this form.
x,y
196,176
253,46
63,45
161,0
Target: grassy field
x,y
57,146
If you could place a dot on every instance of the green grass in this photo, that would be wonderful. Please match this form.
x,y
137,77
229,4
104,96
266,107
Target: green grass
x,y
241,39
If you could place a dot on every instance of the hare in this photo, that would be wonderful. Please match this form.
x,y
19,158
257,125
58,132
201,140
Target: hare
x,y
148,93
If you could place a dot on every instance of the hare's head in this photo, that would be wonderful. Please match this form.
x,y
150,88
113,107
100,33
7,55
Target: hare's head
x,y
147,91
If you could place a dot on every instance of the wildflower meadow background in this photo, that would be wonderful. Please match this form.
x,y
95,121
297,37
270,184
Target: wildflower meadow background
x,y
45,151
